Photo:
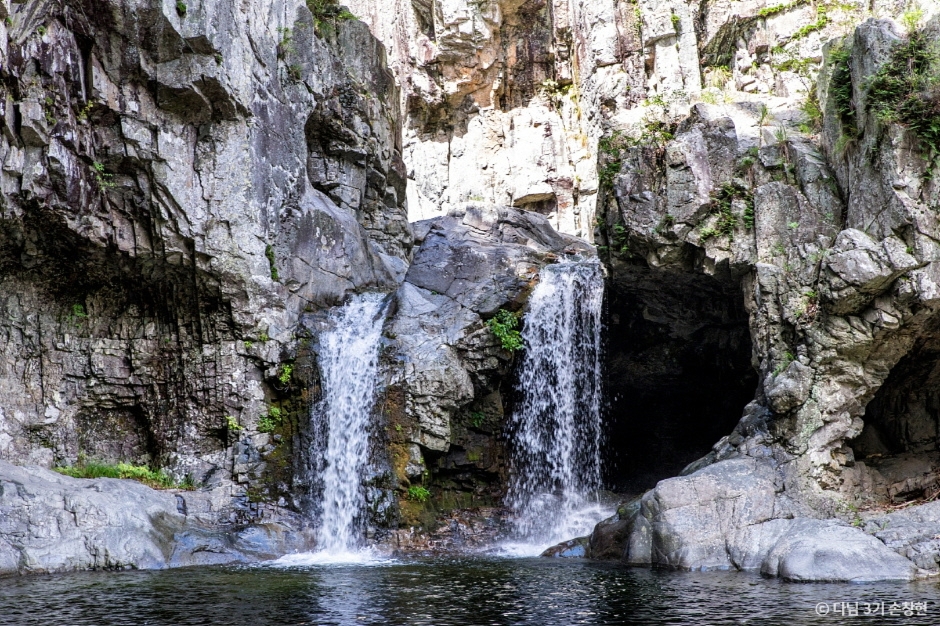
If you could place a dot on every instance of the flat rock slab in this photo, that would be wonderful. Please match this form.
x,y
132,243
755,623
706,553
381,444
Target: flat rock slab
x,y
54,523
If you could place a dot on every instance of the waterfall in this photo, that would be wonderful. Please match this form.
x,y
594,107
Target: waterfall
x,y
341,420
556,429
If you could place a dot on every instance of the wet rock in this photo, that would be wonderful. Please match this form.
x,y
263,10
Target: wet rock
x,y
181,191
818,551
571,549
686,520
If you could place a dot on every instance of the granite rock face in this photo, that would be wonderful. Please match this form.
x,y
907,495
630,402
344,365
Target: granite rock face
x,y
449,375
827,234
178,187
504,100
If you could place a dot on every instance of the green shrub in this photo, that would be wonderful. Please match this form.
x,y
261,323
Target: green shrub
x,y
77,314
181,8
101,177
477,418
327,12
418,493
822,20
269,253
784,363
779,8
232,424
840,90
722,204
504,325
270,421
906,91
157,479
284,376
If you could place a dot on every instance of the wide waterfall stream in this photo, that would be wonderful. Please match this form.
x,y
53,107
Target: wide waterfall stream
x,y
556,460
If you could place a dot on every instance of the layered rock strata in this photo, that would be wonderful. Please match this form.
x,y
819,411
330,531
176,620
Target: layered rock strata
x,y
181,181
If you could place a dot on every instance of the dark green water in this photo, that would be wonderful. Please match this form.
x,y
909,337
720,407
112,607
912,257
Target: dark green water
x,y
441,592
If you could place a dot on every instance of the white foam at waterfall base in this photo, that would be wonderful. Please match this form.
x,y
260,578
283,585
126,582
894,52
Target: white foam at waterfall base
x,y
556,430
341,423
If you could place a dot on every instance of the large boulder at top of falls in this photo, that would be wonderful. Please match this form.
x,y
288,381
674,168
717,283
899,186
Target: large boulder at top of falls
x,y
731,515
484,256
468,265
54,523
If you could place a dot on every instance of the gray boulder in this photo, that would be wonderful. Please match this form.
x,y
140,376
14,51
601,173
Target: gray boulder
x,y
860,268
469,264
54,523
825,551
730,515
913,532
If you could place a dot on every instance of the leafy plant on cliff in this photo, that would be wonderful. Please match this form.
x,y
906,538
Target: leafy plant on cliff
x,y
102,177
285,373
554,92
722,207
654,134
269,422
77,314
780,8
327,13
822,20
906,91
286,45
418,493
784,363
840,90
272,263
504,325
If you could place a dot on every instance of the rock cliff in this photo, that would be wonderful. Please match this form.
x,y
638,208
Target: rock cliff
x,y
187,186
181,181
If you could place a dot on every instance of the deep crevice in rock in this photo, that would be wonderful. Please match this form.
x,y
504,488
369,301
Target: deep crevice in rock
x,y
902,422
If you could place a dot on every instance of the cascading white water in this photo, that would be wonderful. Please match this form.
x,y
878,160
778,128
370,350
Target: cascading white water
x,y
556,465
348,358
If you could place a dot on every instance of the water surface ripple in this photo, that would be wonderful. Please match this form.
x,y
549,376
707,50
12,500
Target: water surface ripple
x,y
439,592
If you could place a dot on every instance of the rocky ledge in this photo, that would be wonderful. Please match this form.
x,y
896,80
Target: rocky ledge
x,y
53,523
735,515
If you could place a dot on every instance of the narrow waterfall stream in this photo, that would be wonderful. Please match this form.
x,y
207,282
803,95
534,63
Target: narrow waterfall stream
x,y
341,421
556,467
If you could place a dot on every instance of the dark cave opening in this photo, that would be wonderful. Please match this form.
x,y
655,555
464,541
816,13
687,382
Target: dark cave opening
x,y
898,443
679,372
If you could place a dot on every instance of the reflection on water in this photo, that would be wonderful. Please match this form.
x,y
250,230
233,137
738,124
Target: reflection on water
x,y
439,592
